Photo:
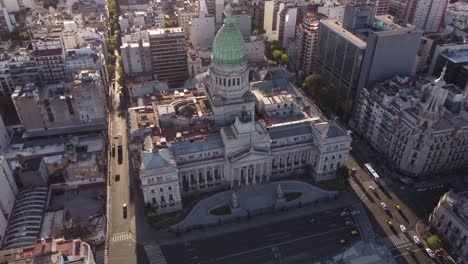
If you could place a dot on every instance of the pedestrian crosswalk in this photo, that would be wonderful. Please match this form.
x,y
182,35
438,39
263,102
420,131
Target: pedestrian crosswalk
x,y
121,236
101,256
398,240
365,226
155,255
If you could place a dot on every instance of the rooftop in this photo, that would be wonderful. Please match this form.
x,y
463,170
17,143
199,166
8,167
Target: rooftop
x,y
457,203
456,56
201,144
337,26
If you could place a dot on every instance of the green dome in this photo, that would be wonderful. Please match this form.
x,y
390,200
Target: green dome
x,y
228,45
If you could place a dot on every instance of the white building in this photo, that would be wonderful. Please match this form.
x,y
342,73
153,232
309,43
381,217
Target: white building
x,y
159,176
136,58
419,125
184,17
202,30
450,220
426,15
287,24
272,10
215,141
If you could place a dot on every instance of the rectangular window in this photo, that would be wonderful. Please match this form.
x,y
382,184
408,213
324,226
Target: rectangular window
x,y
162,199
161,190
171,197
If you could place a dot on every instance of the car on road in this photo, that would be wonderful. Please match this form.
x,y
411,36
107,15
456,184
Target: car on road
x,y
398,207
124,206
416,240
430,253
117,177
344,213
312,221
354,232
348,223
372,188
403,228
342,241
389,222
384,206
113,150
355,212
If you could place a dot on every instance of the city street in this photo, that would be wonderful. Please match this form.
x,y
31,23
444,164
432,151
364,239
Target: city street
x,y
400,243
121,239
301,239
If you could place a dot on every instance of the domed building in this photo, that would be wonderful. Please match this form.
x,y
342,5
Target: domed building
x,y
228,90
287,137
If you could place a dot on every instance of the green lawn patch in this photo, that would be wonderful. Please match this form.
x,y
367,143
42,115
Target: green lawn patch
x,y
291,196
222,210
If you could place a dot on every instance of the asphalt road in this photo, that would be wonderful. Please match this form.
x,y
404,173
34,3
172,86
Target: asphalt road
x,y
399,243
121,243
295,239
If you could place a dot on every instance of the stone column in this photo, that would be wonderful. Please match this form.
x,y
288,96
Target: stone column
x,y
213,174
253,174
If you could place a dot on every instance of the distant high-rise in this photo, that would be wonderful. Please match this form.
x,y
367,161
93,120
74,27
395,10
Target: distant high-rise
x,y
287,24
427,15
306,44
361,51
381,5
168,55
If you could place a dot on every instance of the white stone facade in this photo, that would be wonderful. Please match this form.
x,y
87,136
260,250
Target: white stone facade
x,y
420,126
450,220
136,58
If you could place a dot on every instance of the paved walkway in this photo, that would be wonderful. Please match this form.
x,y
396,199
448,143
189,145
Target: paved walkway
x,y
165,237
252,200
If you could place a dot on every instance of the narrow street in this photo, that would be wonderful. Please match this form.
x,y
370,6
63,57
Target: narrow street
x,y
121,224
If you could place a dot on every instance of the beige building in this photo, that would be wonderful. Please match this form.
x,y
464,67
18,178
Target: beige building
x,y
419,125
450,220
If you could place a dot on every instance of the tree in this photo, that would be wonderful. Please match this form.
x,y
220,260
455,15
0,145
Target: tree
x,y
258,31
312,83
277,54
284,59
434,242
272,63
23,36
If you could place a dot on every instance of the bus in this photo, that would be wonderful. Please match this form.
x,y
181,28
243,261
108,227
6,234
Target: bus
x,y
371,171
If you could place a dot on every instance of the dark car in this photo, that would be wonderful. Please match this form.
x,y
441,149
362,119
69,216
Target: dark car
x,y
124,210
113,150
117,177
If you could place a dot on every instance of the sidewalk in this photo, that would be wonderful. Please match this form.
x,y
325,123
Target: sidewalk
x,y
164,237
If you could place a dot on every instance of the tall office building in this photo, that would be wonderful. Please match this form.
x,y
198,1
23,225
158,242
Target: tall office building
x,y
381,6
427,15
287,24
168,55
361,52
306,45
202,30
272,9
49,54
136,57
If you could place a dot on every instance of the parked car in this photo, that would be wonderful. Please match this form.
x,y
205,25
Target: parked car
x,y
398,207
389,222
113,150
430,253
348,223
344,213
312,221
355,212
372,188
354,232
403,228
384,206
416,240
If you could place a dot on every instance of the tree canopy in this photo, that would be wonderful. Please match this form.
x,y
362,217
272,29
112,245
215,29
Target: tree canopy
x,y
434,242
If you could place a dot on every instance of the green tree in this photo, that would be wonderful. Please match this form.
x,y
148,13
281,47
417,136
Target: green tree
x,y
23,36
272,63
312,83
277,54
284,59
258,31
434,242
273,45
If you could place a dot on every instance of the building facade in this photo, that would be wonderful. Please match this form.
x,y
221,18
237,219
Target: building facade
x,y
136,58
450,220
426,15
287,24
168,55
220,144
420,126
49,54
306,45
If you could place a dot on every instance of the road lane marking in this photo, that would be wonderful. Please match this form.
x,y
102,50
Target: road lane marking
x,y
282,243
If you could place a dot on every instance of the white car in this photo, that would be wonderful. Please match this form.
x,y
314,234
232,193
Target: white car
x,y
403,228
416,240
384,206
430,253
372,188
355,212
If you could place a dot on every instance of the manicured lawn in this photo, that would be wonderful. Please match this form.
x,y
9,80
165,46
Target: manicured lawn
x,y
222,210
290,196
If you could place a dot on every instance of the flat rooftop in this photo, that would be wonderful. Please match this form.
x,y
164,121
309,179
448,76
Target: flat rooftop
x,y
163,31
456,56
337,27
